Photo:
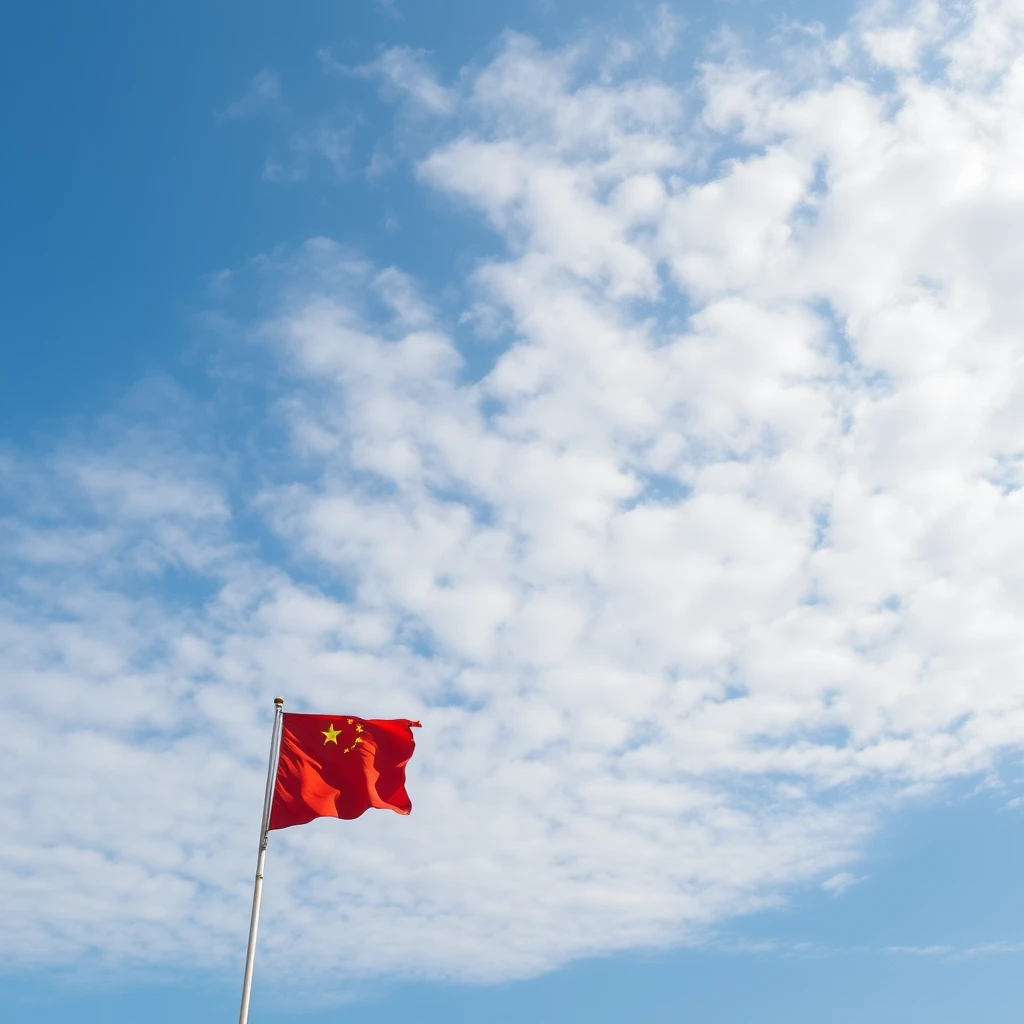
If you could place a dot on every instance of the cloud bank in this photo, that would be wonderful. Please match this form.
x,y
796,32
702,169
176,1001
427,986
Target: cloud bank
x,y
717,557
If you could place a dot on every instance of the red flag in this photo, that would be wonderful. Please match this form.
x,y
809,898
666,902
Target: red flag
x,y
335,766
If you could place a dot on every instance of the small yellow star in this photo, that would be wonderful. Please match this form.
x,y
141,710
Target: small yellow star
x,y
332,735
350,721
359,728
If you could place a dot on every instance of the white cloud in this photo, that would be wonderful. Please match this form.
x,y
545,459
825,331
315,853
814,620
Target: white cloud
x,y
664,28
329,139
838,884
328,142
263,96
715,565
406,72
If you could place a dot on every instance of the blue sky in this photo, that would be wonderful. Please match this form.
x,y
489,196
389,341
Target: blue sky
x,y
630,392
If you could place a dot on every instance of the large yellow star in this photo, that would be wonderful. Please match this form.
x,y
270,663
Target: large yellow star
x,y
332,735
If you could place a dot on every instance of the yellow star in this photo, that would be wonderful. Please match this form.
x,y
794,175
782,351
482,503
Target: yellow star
x,y
332,735
359,728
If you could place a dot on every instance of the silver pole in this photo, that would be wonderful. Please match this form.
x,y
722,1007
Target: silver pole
x,y
257,893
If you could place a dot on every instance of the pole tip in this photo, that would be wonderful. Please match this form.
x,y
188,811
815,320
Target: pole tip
x,y
279,701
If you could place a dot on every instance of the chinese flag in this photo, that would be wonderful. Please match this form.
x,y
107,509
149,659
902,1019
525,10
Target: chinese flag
x,y
336,766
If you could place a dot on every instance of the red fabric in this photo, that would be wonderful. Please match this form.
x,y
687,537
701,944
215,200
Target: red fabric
x,y
338,766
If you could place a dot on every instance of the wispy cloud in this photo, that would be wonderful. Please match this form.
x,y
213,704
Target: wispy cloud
x,y
329,142
956,953
838,884
817,950
327,138
404,73
263,96
665,27
390,7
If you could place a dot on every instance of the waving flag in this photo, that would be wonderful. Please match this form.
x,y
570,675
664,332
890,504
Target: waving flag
x,y
327,766
338,766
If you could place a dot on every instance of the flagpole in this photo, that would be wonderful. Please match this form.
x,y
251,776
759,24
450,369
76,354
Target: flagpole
x,y
257,893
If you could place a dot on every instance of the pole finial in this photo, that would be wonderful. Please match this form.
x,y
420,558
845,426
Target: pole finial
x,y
279,701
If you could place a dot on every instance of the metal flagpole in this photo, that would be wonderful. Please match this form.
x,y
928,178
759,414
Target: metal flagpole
x,y
257,893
